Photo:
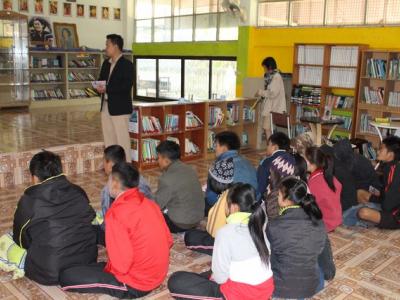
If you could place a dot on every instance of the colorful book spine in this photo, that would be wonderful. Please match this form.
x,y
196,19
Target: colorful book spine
x,y
191,148
216,116
249,115
151,124
232,114
374,96
210,141
149,153
376,68
192,121
171,122
394,99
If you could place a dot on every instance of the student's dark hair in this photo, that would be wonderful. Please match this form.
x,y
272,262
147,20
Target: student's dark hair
x,y
300,168
116,39
244,195
269,63
323,161
115,154
229,139
281,140
392,144
45,164
127,174
218,187
169,149
295,189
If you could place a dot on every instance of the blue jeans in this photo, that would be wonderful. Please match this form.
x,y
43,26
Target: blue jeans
x,y
350,215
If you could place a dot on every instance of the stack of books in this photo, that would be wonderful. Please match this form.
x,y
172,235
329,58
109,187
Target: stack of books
x,y
149,153
306,111
306,95
376,68
310,75
344,56
47,94
394,69
342,77
82,93
216,116
310,55
151,124
344,102
191,148
82,63
394,99
365,126
45,62
171,122
210,141
232,114
46,77
192,121
249,115
79,76
374,96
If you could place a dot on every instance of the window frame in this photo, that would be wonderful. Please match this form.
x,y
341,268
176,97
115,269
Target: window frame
x,y
182,58
324,24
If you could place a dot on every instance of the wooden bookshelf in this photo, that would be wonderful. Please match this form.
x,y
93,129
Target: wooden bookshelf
x,y
388,83
65,83
197,135
325,63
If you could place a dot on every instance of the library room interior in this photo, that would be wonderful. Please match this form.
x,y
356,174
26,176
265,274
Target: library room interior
x,y
199,149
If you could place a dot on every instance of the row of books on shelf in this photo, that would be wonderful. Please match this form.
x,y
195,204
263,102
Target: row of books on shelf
x,y
344,56
376,68
344,78
306,111
394,69
310,55
365,125
79,76
374,96
45,62
82,93
82,63
211,140
171,122
344,102
249,114
151,124
369,151
216,116
347,122
233,114
310,75
190,147
47,94
192,121
306,95
394,99
46,77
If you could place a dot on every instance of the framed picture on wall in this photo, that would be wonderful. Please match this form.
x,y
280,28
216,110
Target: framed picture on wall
x,y
40,32
117,14
23,5
105,13
67,9
66,35
53,7
80,10
93,11
38,6
7,4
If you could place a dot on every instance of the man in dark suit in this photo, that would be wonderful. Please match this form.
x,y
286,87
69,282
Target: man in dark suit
x,y
116,98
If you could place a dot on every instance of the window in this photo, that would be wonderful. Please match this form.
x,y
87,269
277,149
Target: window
x,y
169,78
146,77
197,79
328,12
183,21
161,78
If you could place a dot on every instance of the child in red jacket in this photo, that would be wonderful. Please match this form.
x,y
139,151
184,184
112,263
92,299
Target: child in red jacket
x,y
324,186
138,243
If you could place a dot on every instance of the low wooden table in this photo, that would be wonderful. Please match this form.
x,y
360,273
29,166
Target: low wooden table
x,y
393,125
316,124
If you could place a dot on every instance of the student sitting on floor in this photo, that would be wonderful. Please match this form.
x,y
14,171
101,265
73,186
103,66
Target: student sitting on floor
x,y
179,192
240,262
137,242
277,144
227,145
221,178
53,222
384,210
301,257
324,186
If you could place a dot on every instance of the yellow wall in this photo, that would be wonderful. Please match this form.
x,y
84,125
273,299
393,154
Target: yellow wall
x,y
278,42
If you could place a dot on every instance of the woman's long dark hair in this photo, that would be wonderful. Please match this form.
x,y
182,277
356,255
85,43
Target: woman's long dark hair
x,y
244,195
295,189
300,169
323,161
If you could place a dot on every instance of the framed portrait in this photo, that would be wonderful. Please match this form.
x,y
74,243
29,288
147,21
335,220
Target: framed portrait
x,y
38,6
66,35
105,13
40,32
93,11
23,5
80,10
7,4
117,14
67,9
53,7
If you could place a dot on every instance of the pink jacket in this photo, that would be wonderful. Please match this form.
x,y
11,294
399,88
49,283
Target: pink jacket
x,y
327,200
